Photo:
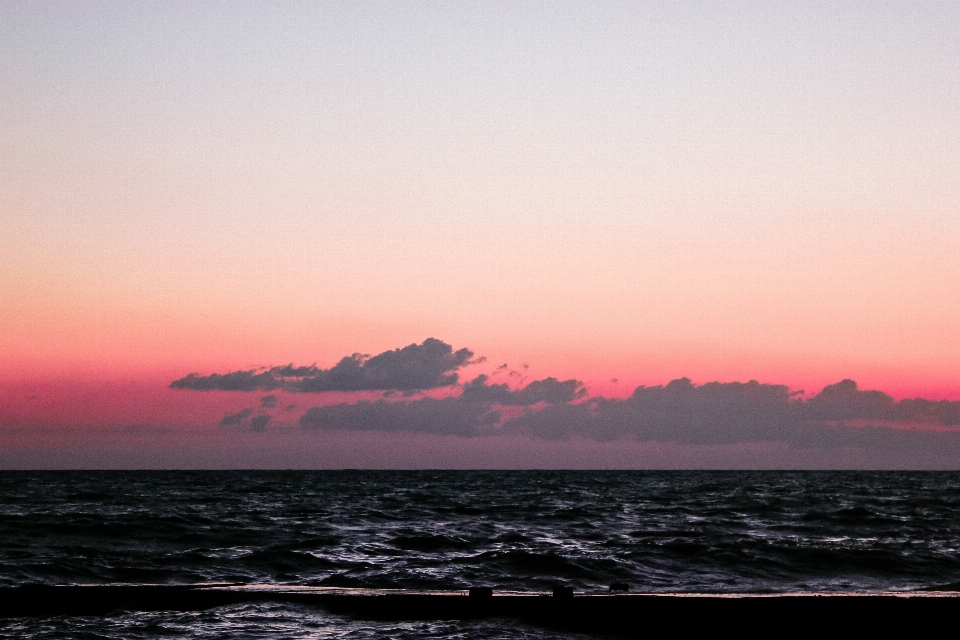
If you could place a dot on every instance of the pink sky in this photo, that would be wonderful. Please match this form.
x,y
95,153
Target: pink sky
x,y
635,192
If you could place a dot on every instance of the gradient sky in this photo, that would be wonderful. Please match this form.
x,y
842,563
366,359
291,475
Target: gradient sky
x,y
638,191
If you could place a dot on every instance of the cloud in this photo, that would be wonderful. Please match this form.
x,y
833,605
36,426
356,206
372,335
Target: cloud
x,y
713,413
549,390
472,413
447,416
236,418
718,413
680,412
235,381
259,423
950,414
844,401
415,367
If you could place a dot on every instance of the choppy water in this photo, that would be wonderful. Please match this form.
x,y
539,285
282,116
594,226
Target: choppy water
x,y
658,531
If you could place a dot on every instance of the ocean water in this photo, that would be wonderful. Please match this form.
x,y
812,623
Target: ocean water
x,y
517,530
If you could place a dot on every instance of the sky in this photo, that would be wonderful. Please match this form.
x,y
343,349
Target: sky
x,y
619,194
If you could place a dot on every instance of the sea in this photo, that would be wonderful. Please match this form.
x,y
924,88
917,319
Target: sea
x,y
658,531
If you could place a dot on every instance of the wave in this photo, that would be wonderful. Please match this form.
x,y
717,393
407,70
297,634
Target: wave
x,y
658,531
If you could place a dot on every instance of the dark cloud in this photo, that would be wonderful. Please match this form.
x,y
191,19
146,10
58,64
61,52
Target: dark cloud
x,y
448,416
549,390
714,413
235,381
425,366
236,418
680,412
950,413
472,413
429,365
729,413
844,401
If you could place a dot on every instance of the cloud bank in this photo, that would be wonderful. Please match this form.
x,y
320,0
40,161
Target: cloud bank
x,y
447,416
429,365
718,413
682,413
549,390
